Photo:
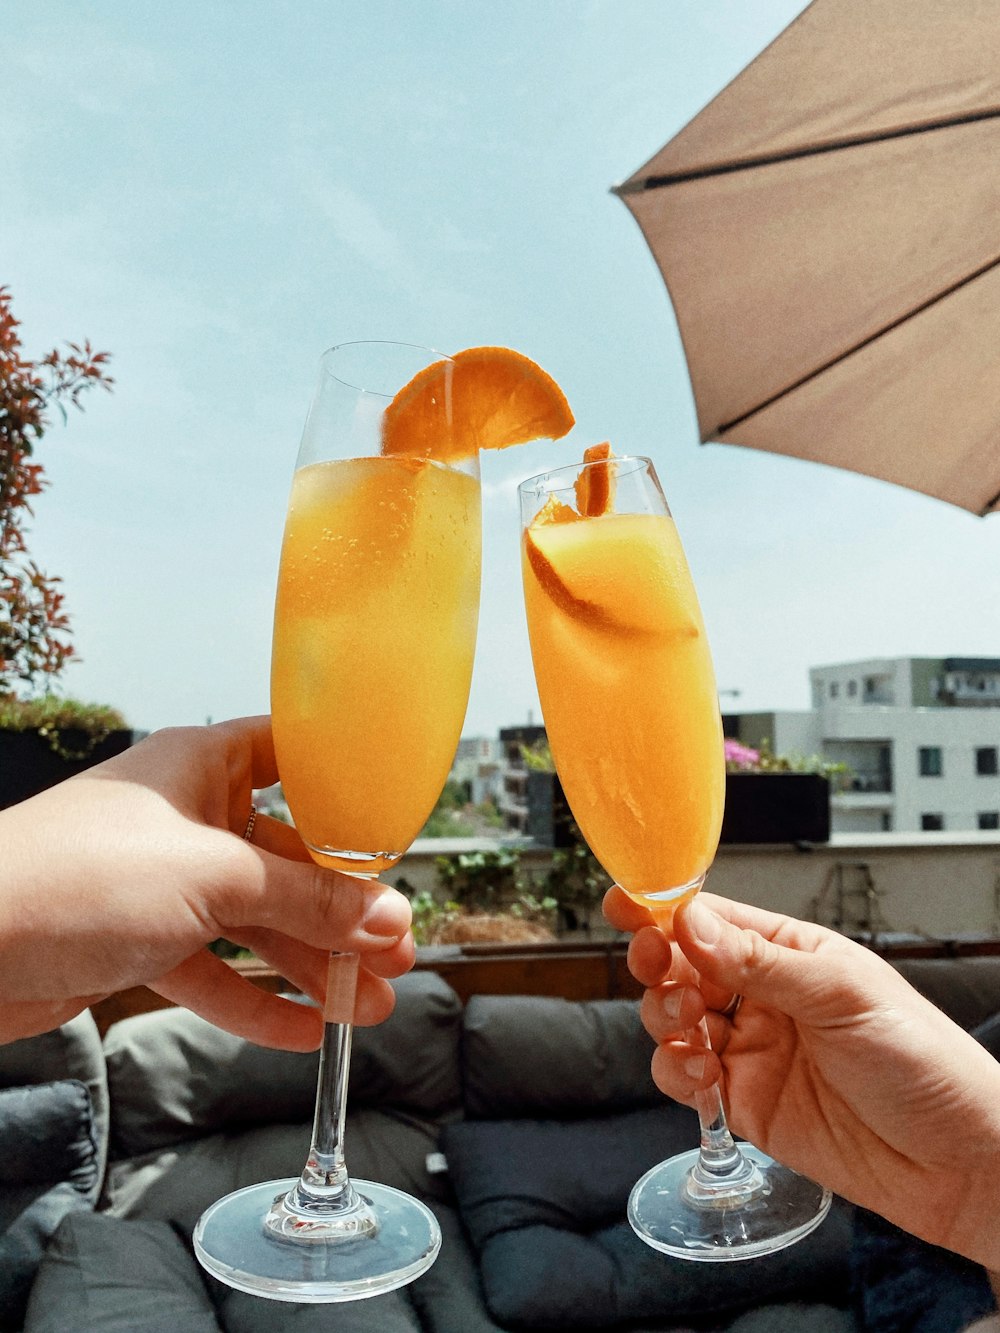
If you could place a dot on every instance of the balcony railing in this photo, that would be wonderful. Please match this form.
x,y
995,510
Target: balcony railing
x,y
870,781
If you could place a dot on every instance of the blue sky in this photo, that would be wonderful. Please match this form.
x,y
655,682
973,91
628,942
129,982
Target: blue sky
x,y
216,193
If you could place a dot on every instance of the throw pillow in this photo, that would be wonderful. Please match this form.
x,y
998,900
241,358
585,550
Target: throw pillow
x,y
50,1168
544,1204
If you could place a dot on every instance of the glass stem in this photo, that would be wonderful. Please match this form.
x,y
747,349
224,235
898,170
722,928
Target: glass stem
x,y
722,1173
325,1185
719,1153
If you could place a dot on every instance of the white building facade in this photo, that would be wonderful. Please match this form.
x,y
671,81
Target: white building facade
x,y
478,766
921,737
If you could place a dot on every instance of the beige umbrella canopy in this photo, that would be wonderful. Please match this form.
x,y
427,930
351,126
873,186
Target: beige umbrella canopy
x,y
829,231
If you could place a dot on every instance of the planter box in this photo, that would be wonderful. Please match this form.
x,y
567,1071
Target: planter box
x,y
28,764
760,807
776,807
550,820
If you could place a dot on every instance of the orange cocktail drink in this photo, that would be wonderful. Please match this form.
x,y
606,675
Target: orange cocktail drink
x,y
378,590
631,709
374,636
625,680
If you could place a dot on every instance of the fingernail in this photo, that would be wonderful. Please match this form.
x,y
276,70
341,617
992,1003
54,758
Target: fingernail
x,y
694,1066
703,922
385,917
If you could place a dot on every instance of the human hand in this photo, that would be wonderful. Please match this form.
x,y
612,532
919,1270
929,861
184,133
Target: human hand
x,y
833,1063
122,875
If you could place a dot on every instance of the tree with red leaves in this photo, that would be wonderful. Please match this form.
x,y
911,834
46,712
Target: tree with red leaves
x,y
34,646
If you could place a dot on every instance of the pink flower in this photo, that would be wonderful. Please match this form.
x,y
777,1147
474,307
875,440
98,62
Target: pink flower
x,y
740,757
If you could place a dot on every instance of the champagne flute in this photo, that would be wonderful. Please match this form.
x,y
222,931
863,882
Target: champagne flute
x,y
631,710
374,636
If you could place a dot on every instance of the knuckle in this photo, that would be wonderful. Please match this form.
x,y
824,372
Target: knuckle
x,y
757,954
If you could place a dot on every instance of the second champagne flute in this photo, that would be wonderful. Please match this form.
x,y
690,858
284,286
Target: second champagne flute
x,y
374,637
631,711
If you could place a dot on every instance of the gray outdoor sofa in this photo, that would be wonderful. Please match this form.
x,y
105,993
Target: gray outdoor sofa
x,y
544,1110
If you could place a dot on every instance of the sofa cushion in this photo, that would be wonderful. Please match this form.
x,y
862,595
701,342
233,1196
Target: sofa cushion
x,y
449,1296
50,1167
573,1174
390,1313
795,1317
544,1203
72,1051
176,1184
174,1077
967,989
548,1057
106,1275
102,1275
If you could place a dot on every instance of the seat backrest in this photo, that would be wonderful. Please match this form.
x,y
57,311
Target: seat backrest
x,y
174,1077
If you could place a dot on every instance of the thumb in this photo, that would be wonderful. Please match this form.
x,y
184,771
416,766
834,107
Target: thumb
x,y
797,981
324,908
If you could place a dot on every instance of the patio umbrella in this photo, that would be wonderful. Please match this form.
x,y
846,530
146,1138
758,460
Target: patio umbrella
x,y
829,231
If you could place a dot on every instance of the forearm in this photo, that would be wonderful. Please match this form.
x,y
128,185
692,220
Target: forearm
x,y
973,1229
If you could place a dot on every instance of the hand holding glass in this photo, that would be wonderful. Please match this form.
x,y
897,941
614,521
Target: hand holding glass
x,y
631,711
374,636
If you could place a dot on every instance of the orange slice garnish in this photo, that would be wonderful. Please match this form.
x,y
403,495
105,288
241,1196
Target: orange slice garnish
x,y
579,566
595,486
555,588
482,398
554,511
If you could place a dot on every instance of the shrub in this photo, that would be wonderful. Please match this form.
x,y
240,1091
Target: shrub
x,y
34,626
51,716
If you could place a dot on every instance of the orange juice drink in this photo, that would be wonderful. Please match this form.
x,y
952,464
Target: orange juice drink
x,y
628,694
374,635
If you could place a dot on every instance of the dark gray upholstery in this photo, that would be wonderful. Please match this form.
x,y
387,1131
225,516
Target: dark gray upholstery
x,y
103,1275
71,1051
173,1077
202,1113
392,1313
49,1162
535,1055
967,989
543,1195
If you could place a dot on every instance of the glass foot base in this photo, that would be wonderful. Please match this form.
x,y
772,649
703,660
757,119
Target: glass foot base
x,y
772,1208
231,1242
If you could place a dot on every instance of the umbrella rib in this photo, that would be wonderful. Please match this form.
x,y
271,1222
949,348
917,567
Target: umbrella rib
x,y
793,154
865,342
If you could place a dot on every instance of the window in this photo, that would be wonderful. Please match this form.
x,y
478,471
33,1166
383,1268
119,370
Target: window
x,y
932,823
988,819
852,688
930,760
834,689
986,761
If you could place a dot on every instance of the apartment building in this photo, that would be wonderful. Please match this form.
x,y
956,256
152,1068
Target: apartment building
x,y
920,735
478,767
